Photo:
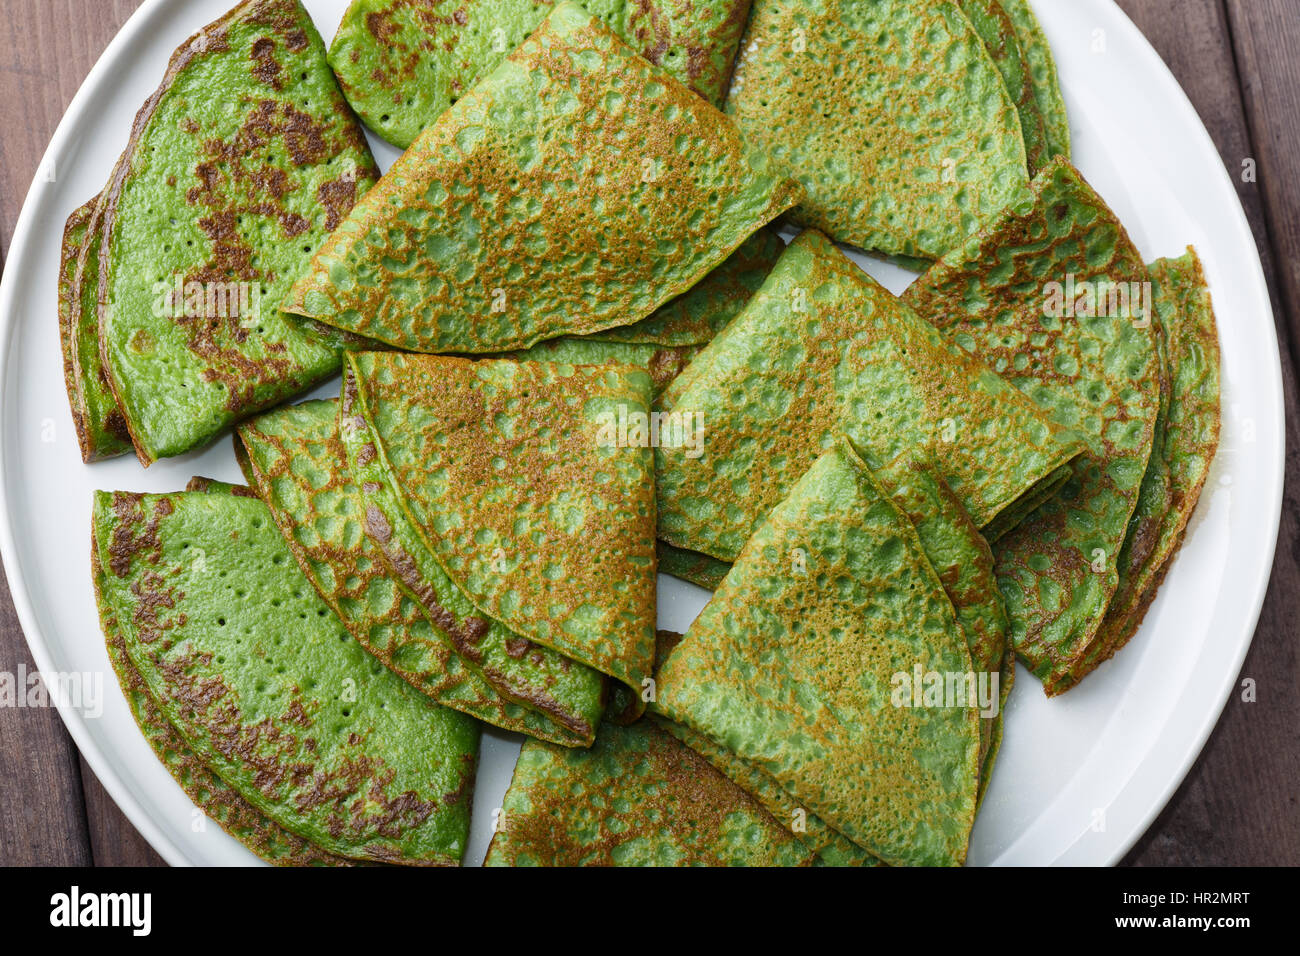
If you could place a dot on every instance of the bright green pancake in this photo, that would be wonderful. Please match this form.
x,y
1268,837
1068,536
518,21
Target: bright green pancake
x,y
238,166
695,317
427,632
995,27
577,187
1185,446
267,689
217,800
534,502
661,363
823,348
794,667
638,797
101,429
890,113
1024,295
1042,72
402,63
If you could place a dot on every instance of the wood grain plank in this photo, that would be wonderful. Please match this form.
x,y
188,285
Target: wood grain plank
x,y
1237,806
49,47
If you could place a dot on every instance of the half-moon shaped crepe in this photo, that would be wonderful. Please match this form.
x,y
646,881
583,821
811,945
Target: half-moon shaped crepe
x,y
238,165
821,348
575,188
695,317
1186,441
638,797
295,459
1053,295
795,668
1042,71
267,689
402,63
536,503
101,429
891,114
218,800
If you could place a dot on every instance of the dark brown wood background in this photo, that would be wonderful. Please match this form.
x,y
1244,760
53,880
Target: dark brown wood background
x,y
1239,61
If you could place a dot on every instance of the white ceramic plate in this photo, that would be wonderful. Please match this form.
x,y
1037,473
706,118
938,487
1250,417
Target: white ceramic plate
x,y
1080,778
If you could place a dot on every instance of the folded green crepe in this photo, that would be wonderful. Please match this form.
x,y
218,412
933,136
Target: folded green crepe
x,y
823,348
891,114
101,429
218,800
1005,36
1187,437
238,166
413,619
522,482
661,363
577,187
638,797
699,569
695,317
1038,60
402,63
961,558
267,689
1055,297
795,668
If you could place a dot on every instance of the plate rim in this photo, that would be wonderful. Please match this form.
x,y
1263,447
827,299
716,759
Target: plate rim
x,y
24,241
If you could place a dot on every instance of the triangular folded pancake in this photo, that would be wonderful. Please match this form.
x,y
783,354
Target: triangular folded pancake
x,y
575,188
701,570
1038,59
217,799
521,483
796,665
1014,39
296,461
638,797
101,429
1053,295
267,689
402,64
891,114
1186,441
821,348
238,166
962,560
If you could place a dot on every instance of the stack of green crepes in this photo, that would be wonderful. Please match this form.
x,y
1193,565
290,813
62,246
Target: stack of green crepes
x,y
575,352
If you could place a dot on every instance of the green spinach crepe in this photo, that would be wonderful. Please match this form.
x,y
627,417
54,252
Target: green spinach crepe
x,y
238,166
1041,65
638,797
101,429
218,800
701,570
577,187
1187,437
1006,34
519,481
402,63
891,114
1053,295
823,348
794,668
267,689
413,618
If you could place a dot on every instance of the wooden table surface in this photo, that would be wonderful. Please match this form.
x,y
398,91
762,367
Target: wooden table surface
x,y
1238,60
